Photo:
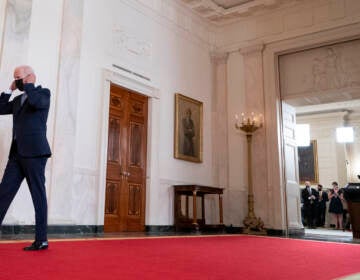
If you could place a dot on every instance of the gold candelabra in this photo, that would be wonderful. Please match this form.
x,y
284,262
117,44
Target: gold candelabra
x,y
249,124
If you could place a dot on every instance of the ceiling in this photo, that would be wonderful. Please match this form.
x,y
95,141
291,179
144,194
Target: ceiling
x,y
226,4
223,11
329,98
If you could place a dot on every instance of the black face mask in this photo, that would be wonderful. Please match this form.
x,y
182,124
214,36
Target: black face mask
x,y
19,84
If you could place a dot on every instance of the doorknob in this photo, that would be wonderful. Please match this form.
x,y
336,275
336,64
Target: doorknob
x,y
124,173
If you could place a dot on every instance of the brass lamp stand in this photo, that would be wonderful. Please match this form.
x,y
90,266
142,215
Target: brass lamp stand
x,y
249,125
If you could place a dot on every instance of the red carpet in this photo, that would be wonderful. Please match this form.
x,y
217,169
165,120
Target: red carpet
x,y
217,257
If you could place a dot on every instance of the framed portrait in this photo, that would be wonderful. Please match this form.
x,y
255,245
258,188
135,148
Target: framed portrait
x,y
308,163
188,128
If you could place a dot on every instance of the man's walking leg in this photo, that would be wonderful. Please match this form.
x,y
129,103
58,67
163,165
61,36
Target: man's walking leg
x,y
9,186
35,176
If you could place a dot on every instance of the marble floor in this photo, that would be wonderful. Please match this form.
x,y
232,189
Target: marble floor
x,y
330,235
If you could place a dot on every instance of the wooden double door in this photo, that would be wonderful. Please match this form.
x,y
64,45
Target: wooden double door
x,y
126,161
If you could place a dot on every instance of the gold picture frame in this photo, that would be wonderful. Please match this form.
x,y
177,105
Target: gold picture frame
x,y
308,163
188,135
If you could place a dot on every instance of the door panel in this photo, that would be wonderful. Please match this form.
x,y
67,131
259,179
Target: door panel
x,y
291,167
137,162
126,161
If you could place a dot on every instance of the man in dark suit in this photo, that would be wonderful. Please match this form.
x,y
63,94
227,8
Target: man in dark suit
x,y
321,206
310,198
29,149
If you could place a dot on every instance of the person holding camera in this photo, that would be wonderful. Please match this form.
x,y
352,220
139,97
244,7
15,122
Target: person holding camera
x,y
335,207
29,149
321,206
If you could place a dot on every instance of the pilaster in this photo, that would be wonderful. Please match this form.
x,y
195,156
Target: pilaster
x,y
254,99
220,120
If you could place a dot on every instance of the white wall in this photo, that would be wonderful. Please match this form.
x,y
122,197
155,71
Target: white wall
x,y
165,42
174,61
143,39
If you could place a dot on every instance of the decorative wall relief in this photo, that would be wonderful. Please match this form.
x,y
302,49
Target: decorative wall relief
x,y
122,40
130,51
321,70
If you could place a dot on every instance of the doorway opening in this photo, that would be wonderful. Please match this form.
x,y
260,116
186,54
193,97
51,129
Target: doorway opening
x,y
327,141
319,89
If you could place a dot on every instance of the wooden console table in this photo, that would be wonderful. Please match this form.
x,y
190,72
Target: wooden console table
x,y
184,221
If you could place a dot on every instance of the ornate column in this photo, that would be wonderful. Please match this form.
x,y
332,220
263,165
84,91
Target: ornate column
x,y
62,190
254,98
220,119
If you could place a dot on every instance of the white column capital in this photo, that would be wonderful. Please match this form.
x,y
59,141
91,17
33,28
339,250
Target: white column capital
x,y
219,57
258,48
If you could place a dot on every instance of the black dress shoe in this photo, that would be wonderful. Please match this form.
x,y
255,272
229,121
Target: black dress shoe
x,y
37,245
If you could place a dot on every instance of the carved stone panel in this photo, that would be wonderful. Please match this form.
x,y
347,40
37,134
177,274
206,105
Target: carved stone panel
x,y
329,73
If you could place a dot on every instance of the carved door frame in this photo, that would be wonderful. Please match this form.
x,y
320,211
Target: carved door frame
x,y
146,88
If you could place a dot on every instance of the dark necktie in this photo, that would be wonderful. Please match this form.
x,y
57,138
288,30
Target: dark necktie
x,y
23,98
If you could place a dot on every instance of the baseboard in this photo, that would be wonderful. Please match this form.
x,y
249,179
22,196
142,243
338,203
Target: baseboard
x,y
53,229
228,229
296,231
150,229
159,229
233,230
275,232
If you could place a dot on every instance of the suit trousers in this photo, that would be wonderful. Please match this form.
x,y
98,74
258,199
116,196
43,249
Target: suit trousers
x,y
33,170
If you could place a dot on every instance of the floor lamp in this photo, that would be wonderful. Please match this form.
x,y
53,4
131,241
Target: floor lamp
x,y
249,124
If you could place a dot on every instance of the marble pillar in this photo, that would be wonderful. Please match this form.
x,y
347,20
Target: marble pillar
x,y
14,51
254,99
220,120
61,201
220,146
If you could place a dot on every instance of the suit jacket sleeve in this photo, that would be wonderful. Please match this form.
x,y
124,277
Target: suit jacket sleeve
x,y
38,97
6,107
325,196
305,195
316,193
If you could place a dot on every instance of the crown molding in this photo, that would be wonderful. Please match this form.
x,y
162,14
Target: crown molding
x,y
219,15
175,16
256,48
219,57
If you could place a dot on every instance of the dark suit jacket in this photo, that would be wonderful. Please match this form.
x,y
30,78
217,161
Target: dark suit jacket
x,y
29,120
324,198
305,197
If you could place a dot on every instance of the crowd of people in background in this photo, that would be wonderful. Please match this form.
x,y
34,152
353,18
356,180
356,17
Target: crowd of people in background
x,y
314,206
